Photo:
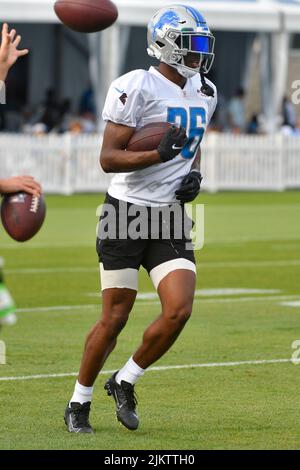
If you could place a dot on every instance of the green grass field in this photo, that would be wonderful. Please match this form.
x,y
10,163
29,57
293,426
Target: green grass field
x,y
252,242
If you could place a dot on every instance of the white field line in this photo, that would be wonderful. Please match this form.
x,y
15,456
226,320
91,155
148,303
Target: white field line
x,y
250,299
250,264
44,246
209,241
212,265
233,300
295,304
152,296
201,292
162,368
157,302
264,299
74,269
245,239
56,308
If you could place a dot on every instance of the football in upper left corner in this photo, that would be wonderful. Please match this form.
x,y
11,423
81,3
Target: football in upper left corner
x,y
86,16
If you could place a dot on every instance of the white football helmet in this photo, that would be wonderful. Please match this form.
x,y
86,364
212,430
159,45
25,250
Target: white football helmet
x,y
179,36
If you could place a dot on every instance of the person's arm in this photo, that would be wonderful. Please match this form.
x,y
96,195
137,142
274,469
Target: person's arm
x,y
115,159
197,161
9,52
20,183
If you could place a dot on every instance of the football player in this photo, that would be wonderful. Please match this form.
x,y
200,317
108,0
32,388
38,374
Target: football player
x,y
176,92
9,54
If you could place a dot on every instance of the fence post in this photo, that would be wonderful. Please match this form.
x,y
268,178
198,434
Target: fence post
x,y
213,184
68,189
2,353
280,140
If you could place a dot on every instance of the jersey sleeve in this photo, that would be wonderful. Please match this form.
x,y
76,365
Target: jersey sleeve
x,y
213,104
125,100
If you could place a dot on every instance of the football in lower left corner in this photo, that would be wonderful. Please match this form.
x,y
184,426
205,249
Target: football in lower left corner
x,y
22,215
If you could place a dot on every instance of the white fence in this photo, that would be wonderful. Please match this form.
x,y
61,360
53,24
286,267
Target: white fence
x,y
68,163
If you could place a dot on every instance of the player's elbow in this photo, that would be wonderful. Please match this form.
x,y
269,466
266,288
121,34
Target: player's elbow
x,y
105,163
105,167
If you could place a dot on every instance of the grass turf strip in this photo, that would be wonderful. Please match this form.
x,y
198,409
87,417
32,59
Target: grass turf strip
x,y
252,242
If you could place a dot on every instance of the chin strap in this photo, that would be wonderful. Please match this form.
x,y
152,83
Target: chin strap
x,y
206,89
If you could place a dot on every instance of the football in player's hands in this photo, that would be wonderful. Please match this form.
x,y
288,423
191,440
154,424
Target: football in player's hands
x,y
22,215
172,143
164,137
148,137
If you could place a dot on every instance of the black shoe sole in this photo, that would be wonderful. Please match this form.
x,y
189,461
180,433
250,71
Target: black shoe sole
x,y
125,425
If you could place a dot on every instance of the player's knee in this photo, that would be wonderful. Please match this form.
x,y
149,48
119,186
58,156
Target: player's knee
x,y
114,319
180,313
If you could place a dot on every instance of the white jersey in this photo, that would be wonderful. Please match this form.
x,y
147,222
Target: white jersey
x,y
144,96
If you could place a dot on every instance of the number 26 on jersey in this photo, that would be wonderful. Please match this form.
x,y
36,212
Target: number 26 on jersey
x,y
194,122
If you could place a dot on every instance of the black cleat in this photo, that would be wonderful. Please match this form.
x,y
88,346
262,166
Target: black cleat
x,y
77,417
126,402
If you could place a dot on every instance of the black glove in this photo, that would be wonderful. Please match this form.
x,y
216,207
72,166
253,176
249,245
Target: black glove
x,y
172,143
190,187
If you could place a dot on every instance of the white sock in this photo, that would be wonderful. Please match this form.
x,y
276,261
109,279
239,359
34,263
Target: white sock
x,y
131,372
81,394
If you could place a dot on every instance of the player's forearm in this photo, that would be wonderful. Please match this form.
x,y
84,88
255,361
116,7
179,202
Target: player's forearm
x,y
3,73
4,185
118,161
197,161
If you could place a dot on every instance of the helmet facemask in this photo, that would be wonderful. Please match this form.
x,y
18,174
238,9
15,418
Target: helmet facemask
x,y
191,48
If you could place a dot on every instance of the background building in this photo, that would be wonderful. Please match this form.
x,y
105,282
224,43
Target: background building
x,y
257,48
60,87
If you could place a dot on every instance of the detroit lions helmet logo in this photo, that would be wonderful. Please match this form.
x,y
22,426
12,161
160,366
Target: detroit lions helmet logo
x,y
169,17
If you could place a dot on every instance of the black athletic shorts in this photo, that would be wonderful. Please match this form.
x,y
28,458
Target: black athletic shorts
x,y
117,253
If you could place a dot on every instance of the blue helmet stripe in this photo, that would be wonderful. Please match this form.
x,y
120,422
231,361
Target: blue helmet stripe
x,y
197,16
